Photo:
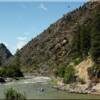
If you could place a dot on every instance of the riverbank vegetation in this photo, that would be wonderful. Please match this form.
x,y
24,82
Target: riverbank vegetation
x,y
12,94
13,70
67,73
10,72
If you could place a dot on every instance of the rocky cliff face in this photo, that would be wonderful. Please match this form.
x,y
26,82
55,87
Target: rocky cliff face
x,y
5,54
56,45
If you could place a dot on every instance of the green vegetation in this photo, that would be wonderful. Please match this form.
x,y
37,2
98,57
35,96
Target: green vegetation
x,y
69,75
10,72
17,58
61,71
84,40
12,94
13,69
77,61
95,38
87,42
94,72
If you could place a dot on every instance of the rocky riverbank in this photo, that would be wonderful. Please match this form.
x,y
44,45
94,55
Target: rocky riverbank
x,y
78,87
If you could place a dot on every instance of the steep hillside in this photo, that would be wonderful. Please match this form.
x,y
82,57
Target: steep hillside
x,y
5,54
63,41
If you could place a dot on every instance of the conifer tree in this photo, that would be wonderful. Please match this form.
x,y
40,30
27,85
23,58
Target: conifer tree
x,y
95,38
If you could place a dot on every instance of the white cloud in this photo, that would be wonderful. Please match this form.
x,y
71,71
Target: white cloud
x,y
21,41
20,44
21,38
42,6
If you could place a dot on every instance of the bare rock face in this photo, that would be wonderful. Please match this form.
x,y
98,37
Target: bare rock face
x,y
5,54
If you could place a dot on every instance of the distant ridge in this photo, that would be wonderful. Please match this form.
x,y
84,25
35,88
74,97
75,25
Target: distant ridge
x,y
5,54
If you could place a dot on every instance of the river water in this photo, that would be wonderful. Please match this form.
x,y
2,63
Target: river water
x,y
31,87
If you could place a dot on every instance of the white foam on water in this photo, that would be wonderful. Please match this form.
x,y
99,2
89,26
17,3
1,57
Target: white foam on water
x,y
38,79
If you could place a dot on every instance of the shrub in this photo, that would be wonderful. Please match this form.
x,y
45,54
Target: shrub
x,y
12,94
77,61
10,72
61,71
69,75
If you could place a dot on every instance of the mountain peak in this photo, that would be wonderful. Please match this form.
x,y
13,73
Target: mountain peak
x,y
1,44
5,54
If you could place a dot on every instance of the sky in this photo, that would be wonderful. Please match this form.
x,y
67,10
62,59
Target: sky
x,y
22,21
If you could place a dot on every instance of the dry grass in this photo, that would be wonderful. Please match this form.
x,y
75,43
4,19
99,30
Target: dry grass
x,y
82,69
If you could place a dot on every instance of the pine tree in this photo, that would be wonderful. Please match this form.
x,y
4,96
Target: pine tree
x,y
95,38
84,40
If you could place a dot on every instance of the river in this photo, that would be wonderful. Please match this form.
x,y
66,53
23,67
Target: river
x,y
31,87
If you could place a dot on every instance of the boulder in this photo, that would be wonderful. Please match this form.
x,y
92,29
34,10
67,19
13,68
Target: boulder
x,y
2,80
